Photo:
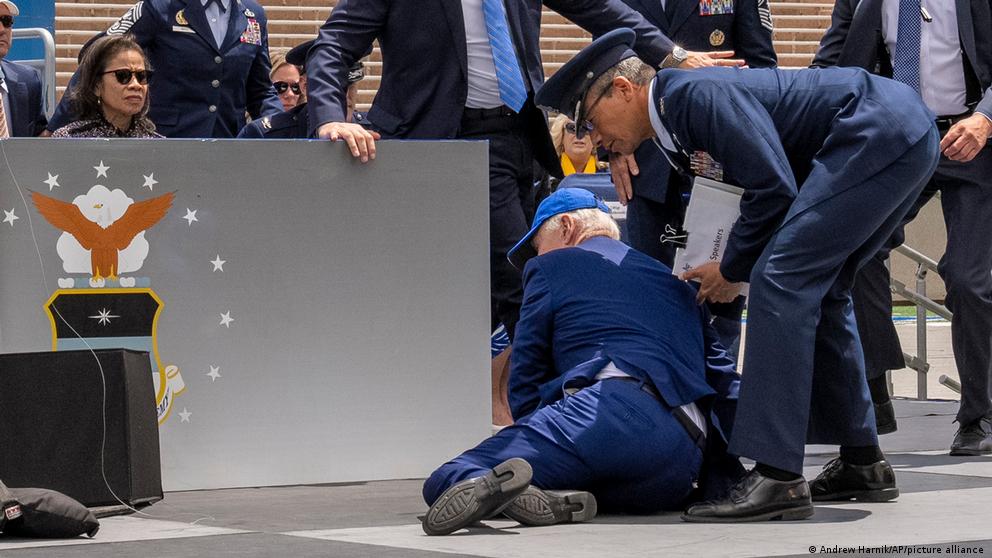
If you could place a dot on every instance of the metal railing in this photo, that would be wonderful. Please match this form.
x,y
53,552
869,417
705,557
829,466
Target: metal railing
x,y
923,304
46,65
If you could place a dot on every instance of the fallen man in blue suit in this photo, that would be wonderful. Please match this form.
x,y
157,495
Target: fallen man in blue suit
x,y
830,161
621,393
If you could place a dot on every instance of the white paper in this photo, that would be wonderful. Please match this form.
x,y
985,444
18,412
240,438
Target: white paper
x,y
713,209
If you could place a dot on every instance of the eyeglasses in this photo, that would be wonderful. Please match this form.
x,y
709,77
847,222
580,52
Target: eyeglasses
x,y
282,86
582,116
7,21
571,128
125,76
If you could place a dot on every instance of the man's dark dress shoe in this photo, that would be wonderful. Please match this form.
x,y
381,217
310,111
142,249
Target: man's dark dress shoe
x,y
756,498
550,507
840,480
974,438
474,499
885,418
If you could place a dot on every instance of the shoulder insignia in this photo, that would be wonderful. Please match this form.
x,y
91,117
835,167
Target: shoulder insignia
x,y
765,14
126,21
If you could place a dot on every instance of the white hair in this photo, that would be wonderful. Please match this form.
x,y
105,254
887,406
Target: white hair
x,y
592,222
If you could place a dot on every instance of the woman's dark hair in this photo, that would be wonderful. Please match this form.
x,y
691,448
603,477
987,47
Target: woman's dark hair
x,y
85,103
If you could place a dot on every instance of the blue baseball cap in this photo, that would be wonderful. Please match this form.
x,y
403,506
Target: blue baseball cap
x,y
562,201
563,92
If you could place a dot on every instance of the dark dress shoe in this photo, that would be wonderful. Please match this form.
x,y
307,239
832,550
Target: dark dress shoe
x,y
550,507
973,439
865,483
885,418
756,498
474,499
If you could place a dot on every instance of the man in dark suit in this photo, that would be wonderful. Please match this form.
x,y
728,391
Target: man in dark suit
x,y
654,195
830,161
22,112
211,61
617,385
953,74
462,69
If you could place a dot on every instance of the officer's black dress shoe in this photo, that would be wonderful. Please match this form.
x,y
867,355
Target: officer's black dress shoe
x,y
840,480
885,418
473,499
550,507
756,498
974,438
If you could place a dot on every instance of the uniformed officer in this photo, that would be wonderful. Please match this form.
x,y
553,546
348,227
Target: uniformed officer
x,y
211,60
294,123
830,161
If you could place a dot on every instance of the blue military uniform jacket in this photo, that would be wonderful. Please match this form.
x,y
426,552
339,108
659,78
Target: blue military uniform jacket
x,y
855,39
27,108
200,89
765,126
744,26
424,86
291,124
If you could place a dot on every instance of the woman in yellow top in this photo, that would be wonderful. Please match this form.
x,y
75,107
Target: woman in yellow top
x,y
577,155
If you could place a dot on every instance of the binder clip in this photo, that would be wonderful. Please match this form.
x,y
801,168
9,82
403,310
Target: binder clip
x,y
674,236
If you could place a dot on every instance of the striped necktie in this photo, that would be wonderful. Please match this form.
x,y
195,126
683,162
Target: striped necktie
x,y
906,63
512,90
4,132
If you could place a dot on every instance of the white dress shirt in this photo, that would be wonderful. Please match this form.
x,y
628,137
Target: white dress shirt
x,y
483,88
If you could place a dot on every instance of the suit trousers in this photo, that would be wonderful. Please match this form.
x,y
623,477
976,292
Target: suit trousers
x,y
511,205
611,439
966,268
804,378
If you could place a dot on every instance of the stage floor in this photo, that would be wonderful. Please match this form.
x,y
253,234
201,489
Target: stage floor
x,y
945,501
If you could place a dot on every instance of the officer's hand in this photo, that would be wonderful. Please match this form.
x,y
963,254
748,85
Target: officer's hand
x,y
712,286
966,138
622,167
704,59
360,141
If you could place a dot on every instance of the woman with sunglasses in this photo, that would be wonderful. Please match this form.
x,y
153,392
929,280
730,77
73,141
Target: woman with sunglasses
x,y
111,99
287,82
576,154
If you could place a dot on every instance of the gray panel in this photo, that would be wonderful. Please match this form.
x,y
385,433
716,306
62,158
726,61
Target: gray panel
x,y
359,294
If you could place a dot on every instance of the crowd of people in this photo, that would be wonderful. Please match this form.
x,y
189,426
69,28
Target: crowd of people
x,y
623,382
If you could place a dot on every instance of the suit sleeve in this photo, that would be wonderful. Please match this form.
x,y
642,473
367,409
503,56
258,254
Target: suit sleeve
x,y
343,39
252,130
262,98
753,32
833,40
721,370
601,16
740,134
532,362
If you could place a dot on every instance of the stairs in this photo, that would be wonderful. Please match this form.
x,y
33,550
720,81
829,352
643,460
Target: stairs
x,y
799,24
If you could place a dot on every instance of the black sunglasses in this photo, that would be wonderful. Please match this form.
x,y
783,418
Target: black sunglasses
x,y
282,86
124,77
571,128
7,21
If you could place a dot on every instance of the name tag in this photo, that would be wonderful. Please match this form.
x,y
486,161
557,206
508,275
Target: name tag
x,y
181,29
715,7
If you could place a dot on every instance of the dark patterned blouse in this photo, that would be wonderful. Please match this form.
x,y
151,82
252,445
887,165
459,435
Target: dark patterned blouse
x,y
100,128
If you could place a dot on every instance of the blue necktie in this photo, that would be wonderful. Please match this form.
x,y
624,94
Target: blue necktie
x,y
512,90
906,63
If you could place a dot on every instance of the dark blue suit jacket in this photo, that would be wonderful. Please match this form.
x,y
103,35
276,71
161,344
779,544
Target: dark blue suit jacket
x,y
27,107
423,87
770,129
855,39
193,74
747,30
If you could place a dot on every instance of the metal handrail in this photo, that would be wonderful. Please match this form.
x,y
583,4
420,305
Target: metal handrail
x,y
46,65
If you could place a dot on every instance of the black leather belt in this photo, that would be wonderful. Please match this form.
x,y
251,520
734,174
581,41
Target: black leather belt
x,y
488,113
944,123
697,435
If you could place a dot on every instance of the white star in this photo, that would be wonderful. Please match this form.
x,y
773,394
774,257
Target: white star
x,y
9,217
191,215
184,416
150,181
226,319
104,316
53,181
218,263
101,170
214,372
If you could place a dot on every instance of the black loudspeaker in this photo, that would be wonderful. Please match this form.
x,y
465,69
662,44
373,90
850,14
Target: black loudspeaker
x,y
52,425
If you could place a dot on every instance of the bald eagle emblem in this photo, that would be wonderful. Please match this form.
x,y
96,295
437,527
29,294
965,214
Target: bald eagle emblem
x,y
110,229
